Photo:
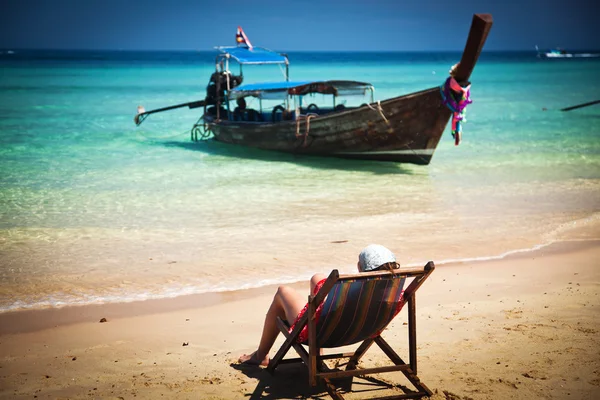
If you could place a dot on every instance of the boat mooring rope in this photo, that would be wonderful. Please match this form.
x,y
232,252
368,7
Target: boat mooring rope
x,y
458,107
201,129
307,119
162,137
380,109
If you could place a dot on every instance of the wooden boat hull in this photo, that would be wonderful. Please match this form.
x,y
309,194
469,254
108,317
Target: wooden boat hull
x,y
404,129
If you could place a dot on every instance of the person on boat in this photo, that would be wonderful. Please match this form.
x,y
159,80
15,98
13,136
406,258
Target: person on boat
x,y
290,305
242,113
241,106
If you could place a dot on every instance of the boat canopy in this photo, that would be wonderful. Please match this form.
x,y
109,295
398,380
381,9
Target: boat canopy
x,y
253,55
280,90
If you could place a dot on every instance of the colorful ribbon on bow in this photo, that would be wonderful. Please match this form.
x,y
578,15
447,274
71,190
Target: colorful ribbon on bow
x,y
450,90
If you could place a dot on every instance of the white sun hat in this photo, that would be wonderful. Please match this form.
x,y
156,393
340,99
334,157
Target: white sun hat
x,y
373,256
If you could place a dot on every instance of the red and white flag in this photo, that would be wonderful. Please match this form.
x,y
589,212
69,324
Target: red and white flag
x,y
241,39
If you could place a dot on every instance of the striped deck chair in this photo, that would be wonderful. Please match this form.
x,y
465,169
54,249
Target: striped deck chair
x,y
357,308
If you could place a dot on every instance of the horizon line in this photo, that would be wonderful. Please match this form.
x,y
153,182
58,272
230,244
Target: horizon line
x,y
533,49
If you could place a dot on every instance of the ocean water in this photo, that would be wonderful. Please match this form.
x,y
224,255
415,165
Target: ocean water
x,y
94,209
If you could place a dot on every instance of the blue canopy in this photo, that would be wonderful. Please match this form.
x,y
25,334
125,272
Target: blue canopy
x,y
254,55
276,90
269,86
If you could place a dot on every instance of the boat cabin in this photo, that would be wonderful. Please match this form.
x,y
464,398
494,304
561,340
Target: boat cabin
x,y
280,101
270,102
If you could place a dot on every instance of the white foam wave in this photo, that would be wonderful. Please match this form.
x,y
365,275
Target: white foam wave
x,y
62,299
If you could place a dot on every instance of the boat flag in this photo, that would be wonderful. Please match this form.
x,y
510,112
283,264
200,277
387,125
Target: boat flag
x,y
241,39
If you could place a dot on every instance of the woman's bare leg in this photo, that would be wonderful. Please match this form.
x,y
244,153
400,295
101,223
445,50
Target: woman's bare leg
x,y
316,278
286,304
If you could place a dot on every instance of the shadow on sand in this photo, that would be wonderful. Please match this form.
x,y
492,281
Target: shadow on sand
x,y
291,382
213,147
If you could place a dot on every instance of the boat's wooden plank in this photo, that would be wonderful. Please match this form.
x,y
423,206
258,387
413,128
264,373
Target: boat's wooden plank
x,y
480,27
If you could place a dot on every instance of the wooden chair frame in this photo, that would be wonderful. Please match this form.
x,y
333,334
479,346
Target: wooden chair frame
x,y
318,370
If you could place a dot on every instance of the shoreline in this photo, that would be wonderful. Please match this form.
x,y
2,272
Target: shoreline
x,y
124,277
32,320
518,328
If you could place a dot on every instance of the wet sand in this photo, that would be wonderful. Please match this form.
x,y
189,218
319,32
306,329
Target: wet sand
x,y
523,327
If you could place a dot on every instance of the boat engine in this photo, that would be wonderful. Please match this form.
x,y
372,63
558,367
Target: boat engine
x,y
217,85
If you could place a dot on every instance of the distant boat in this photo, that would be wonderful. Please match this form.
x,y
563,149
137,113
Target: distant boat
x,y
561,53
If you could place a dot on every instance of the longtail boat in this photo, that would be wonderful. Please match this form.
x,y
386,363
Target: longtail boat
x,y
404,129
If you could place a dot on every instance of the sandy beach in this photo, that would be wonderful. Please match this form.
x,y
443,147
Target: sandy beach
x,y
139,260
518,328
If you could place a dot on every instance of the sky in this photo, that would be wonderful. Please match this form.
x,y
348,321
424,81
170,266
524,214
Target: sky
x,y
295,25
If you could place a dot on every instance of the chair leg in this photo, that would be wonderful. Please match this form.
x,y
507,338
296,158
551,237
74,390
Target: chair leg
x,y
289,342
409,373
412,333
331,389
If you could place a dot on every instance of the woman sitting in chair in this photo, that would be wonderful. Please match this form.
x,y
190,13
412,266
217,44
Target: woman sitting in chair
x,y
290,305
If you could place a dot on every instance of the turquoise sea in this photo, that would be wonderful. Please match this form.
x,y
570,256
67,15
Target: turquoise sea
x,y
94,209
